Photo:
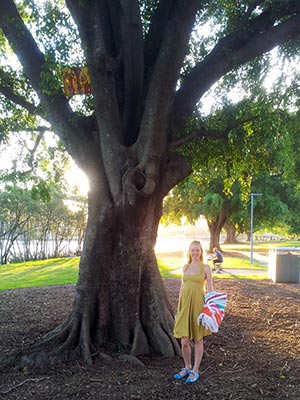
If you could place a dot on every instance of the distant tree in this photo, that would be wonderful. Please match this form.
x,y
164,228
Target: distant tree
x,y
16,207
231,233
33,199
192,198
34,227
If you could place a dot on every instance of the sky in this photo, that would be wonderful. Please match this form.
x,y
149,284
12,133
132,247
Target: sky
x,y
8,153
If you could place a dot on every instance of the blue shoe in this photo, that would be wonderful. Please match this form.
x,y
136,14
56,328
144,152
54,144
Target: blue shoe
x,y
184,372
193,377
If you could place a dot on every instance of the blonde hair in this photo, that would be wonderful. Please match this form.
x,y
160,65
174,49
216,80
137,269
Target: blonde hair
x,y
189,252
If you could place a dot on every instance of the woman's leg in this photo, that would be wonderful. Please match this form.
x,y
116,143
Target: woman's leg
x,y
186,352
198,354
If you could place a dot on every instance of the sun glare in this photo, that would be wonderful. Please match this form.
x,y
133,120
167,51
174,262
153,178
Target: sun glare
x,y
75,177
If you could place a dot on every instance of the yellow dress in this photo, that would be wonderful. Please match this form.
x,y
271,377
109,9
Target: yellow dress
x,y
190,305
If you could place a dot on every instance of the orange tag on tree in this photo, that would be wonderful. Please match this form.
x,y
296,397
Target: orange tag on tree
x,y
76,81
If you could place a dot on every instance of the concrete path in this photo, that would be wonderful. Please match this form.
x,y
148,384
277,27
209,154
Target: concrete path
x,y
262,259
234,272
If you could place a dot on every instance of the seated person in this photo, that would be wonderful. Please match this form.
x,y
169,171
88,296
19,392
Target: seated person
x,y
218,257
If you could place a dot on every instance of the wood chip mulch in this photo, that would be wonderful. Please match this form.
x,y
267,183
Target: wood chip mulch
x,y
255,355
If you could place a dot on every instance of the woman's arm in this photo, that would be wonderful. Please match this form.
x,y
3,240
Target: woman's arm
x,y
209,279
184,268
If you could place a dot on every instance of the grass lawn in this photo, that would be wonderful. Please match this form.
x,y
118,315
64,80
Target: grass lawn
x,y
55,271
60,271
170,265
262,247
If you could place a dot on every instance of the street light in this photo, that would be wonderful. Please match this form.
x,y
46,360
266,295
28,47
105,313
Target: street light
x,y
251,229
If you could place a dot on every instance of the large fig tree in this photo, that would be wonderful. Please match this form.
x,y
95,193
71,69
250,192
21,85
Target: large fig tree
x,y
143,105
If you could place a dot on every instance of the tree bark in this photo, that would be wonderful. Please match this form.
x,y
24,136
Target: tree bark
x,y
231,234
215,229
120,299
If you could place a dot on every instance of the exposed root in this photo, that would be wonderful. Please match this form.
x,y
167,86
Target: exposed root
x,y
163,342
131,360
71,340
66,342
85,342
140,343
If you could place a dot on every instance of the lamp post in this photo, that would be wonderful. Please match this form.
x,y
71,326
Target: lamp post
x,y
251,227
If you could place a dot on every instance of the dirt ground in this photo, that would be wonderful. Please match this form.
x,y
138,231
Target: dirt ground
x,y
255,355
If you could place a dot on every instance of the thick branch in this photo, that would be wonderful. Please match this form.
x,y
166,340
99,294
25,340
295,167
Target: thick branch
x,y
8,91
102,67
22,42
132,56
56,108
19,100
230,53
153,40
152,141
153,133
25,47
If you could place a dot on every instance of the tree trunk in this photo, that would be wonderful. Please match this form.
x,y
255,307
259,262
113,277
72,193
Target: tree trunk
x,y
120,297
231,234
215,229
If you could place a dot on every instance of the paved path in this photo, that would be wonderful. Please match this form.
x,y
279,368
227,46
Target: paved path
x,y
264,260
235,272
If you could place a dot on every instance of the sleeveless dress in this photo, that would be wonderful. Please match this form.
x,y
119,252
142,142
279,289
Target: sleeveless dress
x,y
190,305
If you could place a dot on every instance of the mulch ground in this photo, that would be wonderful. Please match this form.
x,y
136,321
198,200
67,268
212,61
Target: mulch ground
x,y
256,354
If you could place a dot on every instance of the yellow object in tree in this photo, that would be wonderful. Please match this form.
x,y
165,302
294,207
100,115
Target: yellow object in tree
x,y
76,81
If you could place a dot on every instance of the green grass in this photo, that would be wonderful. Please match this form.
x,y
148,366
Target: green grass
x,y
60,271
55,271
239,262
172,268
260,246
241,276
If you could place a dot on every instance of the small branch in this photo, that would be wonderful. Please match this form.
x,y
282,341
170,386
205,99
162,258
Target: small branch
x,y
250,10
211,133
22,383
36,144
202,133
41,129
10,95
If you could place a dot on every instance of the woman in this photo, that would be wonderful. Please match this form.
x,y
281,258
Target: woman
x,y
195,276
